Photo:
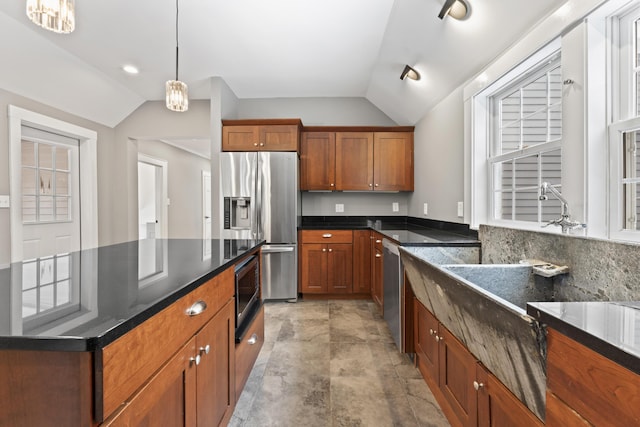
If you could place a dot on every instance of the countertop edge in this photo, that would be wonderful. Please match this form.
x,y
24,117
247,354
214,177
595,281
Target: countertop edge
x,y
91,344
598,345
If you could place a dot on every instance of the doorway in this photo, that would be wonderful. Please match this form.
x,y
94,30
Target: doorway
x,y
152,198
51,213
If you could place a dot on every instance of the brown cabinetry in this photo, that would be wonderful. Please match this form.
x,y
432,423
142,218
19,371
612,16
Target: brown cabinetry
x,y
352,160
260,135
377,291
195,387
586,387
326,262
362,262
468,394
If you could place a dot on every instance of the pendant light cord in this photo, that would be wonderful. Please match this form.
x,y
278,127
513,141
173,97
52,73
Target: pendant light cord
x,y
176,40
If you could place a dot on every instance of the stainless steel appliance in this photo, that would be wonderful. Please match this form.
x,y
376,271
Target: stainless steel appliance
x,y
261,200
247,280
392,289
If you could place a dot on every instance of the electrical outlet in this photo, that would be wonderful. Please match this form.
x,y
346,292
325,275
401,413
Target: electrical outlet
x,y
395,207
339,207
460,209
425,209
4,202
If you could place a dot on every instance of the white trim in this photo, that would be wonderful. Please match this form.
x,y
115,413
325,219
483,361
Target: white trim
x,y
88,174
164,165
617,229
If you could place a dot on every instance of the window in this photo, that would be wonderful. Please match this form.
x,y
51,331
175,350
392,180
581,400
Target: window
x,y
525,143
624,131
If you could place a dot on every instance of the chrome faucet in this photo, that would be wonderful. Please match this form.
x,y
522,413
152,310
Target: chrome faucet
x,y
564,221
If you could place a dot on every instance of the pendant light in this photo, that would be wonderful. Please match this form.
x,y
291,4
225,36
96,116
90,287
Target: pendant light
x,y
54,15
177,93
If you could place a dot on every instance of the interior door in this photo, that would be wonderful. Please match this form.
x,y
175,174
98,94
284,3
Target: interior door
x,y
50,187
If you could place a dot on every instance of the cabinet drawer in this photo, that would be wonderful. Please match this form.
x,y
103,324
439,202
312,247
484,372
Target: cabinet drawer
x,y
129,362
247,351
327,236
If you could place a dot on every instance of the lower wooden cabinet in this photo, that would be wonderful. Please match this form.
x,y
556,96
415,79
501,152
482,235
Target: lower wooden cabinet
x,y
196,387
326,262
377,290
468,394
362,261
588,387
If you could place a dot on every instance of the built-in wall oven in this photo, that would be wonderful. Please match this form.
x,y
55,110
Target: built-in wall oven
x,y
247,278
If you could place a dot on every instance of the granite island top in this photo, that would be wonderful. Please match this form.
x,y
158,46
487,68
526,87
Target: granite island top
x,y
406,231
611,329
84,300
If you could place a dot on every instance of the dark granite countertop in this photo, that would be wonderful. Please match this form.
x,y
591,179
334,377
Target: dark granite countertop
x,y
611,329
85,300
406,231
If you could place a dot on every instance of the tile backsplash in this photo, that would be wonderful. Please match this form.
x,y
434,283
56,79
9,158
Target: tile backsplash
x,y
600,270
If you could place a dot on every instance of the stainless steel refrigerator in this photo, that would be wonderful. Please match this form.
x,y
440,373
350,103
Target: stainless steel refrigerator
x,y
261,200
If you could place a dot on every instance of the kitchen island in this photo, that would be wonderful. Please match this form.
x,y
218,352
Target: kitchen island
x,y
109,333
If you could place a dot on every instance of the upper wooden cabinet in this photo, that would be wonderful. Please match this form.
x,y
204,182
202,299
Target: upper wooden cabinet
x,y
317,161
261,135
356,160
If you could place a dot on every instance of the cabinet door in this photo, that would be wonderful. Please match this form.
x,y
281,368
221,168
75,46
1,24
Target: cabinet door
x,y
168,399
216,372
426,341
278,138
240,138
457,374
354,161
340,268
362,262
318,161
393,161
497,406
377,291
313,268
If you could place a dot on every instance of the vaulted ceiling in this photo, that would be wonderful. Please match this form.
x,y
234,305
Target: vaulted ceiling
x,y
261,48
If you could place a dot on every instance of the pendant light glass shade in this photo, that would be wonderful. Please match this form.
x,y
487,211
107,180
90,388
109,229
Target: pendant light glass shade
x,y
177,93
54,15
177,96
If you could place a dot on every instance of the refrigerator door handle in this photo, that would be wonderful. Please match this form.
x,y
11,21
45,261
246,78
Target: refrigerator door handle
x,y
270,250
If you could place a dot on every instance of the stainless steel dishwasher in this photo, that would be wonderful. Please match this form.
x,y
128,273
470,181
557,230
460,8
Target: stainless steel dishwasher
x,y
392,290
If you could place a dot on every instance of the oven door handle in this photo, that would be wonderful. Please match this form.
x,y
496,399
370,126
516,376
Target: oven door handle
x,y
272,250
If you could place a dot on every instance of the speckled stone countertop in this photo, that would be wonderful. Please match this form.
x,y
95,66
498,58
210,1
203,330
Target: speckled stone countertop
x,y
84,300
406,231
611,329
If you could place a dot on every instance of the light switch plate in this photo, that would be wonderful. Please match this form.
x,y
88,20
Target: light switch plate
x,y
4,202
460,209
339,207
425,209
395,207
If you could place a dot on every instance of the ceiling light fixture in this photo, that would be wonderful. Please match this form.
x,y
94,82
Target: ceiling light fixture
x,y
130,69
177,92
410,73
457,9
54,15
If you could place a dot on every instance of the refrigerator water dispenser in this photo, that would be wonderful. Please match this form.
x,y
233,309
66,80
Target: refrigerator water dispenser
x,y
237,213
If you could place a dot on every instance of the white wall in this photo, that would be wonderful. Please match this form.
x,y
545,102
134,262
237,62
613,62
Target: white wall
x,y
439,161
355,204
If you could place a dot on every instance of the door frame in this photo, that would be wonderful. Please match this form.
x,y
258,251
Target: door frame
x,y
88,196
164,198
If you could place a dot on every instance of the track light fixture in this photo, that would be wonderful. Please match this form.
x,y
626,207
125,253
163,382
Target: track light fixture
x,y
457,9
410,73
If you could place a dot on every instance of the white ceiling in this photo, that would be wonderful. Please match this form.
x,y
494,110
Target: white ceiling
x,y
261,48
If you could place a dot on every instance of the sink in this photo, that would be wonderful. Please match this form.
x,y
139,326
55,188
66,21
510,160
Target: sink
x,y
515,283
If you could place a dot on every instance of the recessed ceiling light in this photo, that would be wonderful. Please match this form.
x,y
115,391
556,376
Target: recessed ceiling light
x,y
130,69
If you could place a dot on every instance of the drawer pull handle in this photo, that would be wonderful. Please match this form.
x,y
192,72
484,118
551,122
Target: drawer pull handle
x,y
253,339
477,385
431,332
205,350
330,250
378,256
197,308
327,235
378,241
195,360
255,144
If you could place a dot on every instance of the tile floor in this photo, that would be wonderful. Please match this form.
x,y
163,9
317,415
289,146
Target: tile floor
x,y
333,363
